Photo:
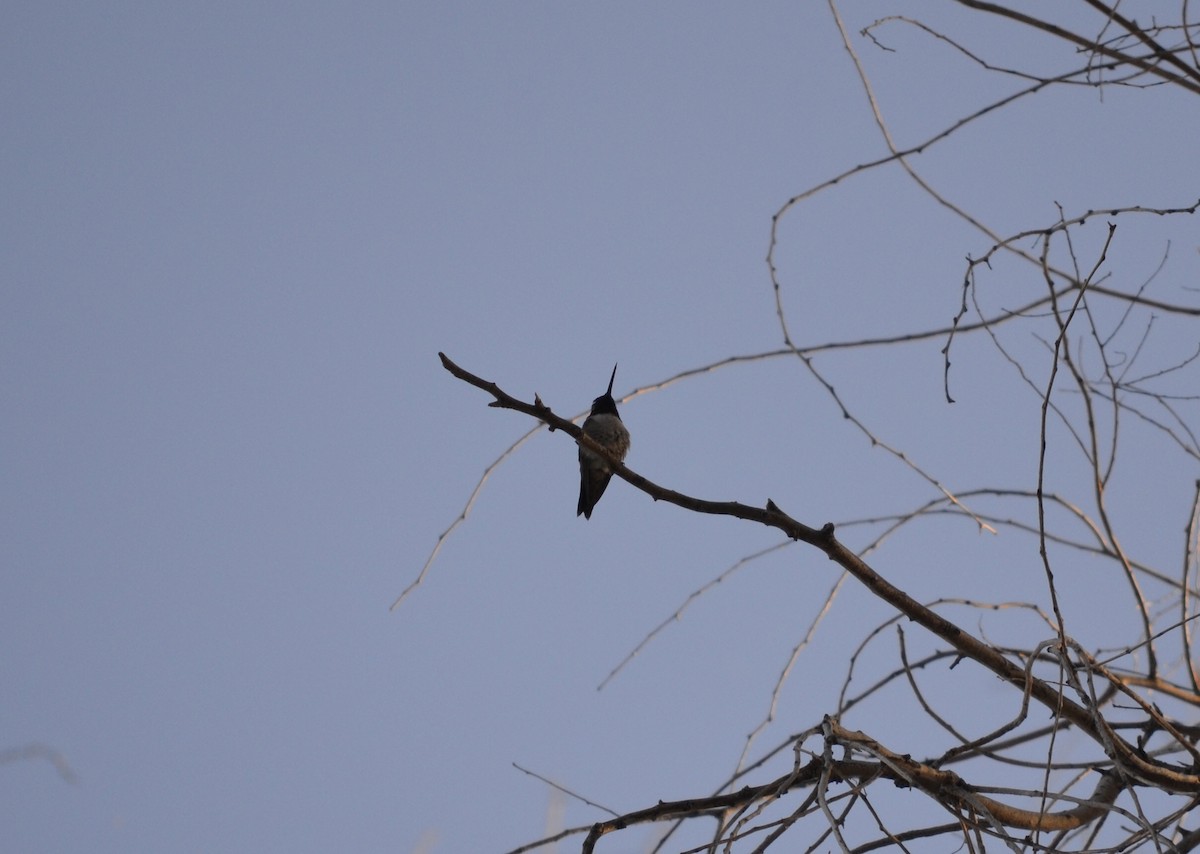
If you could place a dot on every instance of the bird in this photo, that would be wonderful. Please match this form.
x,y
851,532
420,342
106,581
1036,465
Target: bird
x,y
604,425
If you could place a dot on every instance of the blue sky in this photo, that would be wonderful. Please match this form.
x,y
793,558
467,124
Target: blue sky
x,y
237,235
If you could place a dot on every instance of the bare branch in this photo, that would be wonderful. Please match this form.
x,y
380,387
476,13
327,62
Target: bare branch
x,y
1145,770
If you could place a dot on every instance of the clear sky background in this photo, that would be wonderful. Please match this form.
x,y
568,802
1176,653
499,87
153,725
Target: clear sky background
x,y
235,237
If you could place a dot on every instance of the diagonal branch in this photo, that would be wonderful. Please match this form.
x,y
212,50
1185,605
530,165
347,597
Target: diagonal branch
x,y
1085,43
1147,770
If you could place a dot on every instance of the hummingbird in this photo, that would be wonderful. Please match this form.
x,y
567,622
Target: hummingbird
x,y
605,427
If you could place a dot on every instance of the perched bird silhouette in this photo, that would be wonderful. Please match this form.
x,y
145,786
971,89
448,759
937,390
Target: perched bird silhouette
x,y
605,427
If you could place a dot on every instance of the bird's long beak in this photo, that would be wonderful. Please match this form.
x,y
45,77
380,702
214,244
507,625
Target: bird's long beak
x,y
610,380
